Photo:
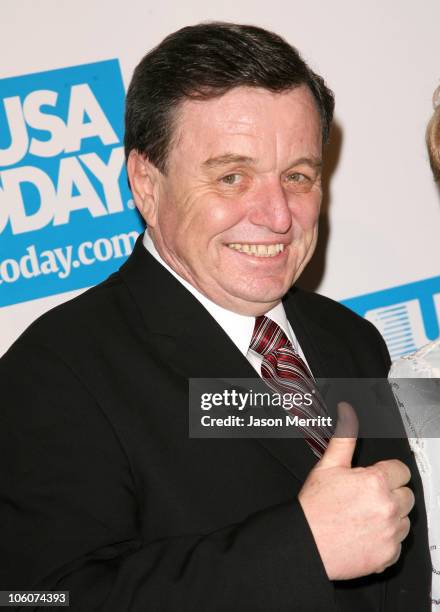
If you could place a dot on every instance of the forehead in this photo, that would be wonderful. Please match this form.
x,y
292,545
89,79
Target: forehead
x,y
249,121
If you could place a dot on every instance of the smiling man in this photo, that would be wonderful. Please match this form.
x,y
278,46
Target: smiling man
x,y
104,494
236,213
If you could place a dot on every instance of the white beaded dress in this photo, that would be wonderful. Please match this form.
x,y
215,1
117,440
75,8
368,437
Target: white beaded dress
x,y
419,403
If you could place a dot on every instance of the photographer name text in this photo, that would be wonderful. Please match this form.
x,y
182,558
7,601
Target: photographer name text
x,y
252,421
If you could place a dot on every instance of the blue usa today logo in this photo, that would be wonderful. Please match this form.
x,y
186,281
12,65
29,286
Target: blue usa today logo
x,y
66,215
408,316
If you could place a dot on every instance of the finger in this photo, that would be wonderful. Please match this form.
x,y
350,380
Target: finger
x,y
404,528
395,557
405,500
391,561
348,423
396,473
340,449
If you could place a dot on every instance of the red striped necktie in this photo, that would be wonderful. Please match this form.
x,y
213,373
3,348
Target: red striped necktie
x,y
285,372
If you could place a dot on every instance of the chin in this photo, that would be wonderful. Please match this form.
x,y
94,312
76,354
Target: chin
x,y
262,295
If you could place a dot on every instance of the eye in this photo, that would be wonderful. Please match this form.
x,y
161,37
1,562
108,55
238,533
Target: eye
x,y
297,177
231,179
300,182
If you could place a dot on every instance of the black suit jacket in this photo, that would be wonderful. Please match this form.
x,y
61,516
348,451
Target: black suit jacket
x,y
104,494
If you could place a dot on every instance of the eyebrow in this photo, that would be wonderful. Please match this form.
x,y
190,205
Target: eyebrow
x,y
231,158
314,162
227,158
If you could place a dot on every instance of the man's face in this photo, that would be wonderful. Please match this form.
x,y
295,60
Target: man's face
x,y
237,211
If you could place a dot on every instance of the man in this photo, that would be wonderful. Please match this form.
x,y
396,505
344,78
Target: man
x,y
104,493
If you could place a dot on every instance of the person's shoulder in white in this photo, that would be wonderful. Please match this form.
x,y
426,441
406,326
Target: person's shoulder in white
x,y
424,363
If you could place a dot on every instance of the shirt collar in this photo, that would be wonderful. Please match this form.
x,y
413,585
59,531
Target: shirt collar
x,y
238,327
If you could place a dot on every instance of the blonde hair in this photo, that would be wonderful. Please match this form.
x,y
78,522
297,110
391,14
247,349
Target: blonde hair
x,y
433,135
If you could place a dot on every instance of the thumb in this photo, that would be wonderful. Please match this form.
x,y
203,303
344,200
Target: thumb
x,y
339,452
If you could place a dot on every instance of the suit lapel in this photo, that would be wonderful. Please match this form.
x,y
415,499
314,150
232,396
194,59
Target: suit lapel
x,y
323,349
192,342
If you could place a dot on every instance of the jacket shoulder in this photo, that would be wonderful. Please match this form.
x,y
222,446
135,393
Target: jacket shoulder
x,y
332,312
74,323
357,334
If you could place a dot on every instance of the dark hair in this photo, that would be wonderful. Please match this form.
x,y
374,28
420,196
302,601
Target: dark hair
x,y
205,61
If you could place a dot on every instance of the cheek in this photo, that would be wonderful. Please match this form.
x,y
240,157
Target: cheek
x,y
306,214
211,217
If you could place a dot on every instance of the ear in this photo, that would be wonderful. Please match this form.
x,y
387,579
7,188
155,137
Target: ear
x,y
144,177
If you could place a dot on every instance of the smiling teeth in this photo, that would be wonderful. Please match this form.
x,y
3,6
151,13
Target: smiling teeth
x,y
260,250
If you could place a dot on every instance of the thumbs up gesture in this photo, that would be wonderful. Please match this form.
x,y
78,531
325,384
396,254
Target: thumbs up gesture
x,y
358,516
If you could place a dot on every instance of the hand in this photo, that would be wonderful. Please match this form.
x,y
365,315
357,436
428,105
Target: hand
x,y
358,516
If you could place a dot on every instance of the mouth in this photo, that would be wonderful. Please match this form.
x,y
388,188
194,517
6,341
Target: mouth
x,y
257,250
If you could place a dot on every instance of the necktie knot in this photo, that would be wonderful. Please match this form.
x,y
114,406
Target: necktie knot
x,y
267,336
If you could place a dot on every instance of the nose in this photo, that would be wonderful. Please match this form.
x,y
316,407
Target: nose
x,y
271,208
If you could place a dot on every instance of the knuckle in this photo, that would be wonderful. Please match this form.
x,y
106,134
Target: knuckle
x,y
393,554
397,555
390,554
375,476
388,510
382,567
406,501
387,463
405,528
407,471
411,498
404,469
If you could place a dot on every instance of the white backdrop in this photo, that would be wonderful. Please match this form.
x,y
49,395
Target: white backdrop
x,y
381,222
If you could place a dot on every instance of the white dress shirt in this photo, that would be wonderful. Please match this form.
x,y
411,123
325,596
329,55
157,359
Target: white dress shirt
x,y
238,327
